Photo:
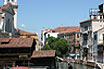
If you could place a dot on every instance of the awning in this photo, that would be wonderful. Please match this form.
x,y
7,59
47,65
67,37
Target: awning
x,y
72,55
19,68
78,54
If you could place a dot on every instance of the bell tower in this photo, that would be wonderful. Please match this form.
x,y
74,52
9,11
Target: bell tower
x,y
15,7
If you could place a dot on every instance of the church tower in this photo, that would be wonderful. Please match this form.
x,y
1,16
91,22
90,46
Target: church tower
x,y
15,6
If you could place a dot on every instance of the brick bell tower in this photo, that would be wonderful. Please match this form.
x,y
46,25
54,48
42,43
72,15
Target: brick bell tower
x,y
15,6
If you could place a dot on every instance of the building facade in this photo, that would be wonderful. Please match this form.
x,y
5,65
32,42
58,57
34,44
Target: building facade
x,y
15,7
71,34
73,38
87,29
47,33
98,45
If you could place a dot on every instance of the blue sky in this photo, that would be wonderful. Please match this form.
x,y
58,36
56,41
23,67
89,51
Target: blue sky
x,y
36,14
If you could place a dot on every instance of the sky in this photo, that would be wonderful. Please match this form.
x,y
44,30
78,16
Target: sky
x,y
34,15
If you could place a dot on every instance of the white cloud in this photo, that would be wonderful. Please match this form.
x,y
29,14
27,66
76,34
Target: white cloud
x,y
23,26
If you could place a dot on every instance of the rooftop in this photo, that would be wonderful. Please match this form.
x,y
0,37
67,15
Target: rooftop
x,y
16,42
43,53
67,29
47,30
21,32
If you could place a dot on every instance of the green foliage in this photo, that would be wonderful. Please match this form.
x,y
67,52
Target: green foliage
x,y
59,44
46,47
5,35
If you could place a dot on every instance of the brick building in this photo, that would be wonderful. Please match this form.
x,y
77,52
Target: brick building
x,y
72,35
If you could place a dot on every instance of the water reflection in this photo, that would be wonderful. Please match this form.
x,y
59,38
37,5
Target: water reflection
x,y
80,66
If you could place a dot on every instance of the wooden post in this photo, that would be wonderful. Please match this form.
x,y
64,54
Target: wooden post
x,y
28,63
14,64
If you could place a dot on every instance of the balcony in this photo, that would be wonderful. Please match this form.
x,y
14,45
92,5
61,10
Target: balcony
x,y
86,29
85,46
85,32
85,43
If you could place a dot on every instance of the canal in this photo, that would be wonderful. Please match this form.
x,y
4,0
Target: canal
x,y
80,66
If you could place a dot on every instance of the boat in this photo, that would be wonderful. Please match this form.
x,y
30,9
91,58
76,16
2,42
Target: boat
x,y
19,67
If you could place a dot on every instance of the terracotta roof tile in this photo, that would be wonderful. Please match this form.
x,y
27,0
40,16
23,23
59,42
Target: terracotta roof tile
x,y
67,29
16,42
48,30
4,40
4,7
43,53
21,32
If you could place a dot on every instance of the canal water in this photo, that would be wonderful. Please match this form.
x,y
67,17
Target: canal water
x,y
80,66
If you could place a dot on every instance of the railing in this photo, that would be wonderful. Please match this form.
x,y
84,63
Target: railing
x,y
62,65
86,46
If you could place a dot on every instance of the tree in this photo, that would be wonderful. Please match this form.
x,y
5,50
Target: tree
x,y
59,44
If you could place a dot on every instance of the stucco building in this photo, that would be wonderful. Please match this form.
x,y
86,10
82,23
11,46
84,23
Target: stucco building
x,y
98,45
71,34
47,33
87,29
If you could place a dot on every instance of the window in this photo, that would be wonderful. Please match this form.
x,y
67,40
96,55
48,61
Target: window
x,y
100,25
86,28
95,17
77,41
95,37
48,35
77,35
101,17
103,37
